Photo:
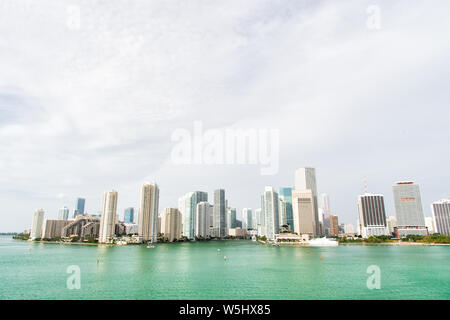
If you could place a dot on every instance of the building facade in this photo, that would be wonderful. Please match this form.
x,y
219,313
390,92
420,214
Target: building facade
x,y
128,215
53,228
372,215
108,219
408,209
271,214
204,220
334,226
187,205
219,213
441,216
303,207
286,195
172,224
305,179
148,213
37,224
63,213
247,219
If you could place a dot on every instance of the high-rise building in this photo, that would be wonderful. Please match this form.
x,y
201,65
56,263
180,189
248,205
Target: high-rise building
x,y
148,214
441,216
334,226
128,216
37,225
247,219
372,215
282,214
325,208
259,214
53,228
219,213
108,219
303,207
408,209
429,223
204,219
172,224
230,219
271,215
305,179
391,224
79,207
286,194
63,213
187,205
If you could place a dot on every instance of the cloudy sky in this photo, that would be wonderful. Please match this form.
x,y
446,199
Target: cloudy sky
x,y
92,91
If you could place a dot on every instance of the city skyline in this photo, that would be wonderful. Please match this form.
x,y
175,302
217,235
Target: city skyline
x,y
100,111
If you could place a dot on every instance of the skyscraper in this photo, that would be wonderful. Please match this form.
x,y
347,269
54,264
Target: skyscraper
x,y
372,215
128,216
303,207
286,193
305,179
172,224
63,213
247,218
108,219
282,212
441,216
325,206
79,208
334,226
204,219
259,213
271,217
148,215
187,205
230,218
37,224
408,209
219,213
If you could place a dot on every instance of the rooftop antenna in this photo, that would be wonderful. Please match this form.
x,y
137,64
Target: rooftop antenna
x,y
365,185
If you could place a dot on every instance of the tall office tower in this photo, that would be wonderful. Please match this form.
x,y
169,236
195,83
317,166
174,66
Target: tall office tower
x,y
187,205
247,218
128,215
204,219
172,224
271,215
37,224
79,207
259,214
441,216
230,218
334,226
391,224
303,208
305,179
148,215
372,215
408,209
286,193
282,211
108,219
219,213
63,213
325,206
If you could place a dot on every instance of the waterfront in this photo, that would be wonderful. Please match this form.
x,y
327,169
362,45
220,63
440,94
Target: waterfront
x,y
199,271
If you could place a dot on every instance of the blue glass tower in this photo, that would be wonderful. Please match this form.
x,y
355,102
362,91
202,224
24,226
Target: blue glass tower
x,y
286,193
129,215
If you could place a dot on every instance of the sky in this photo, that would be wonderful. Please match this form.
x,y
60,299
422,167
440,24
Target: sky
x,y
91,93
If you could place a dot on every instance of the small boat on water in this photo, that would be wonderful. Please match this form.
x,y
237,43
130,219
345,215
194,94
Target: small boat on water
x,y
150,246
254,238
322,242
276,244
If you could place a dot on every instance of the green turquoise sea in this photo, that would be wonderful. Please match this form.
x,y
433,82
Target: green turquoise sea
x,y
199,270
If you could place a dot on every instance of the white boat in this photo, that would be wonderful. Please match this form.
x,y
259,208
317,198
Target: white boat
x,y
322,242
150,246
253,238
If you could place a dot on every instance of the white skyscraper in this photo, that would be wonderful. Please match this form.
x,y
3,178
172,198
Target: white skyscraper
x,y
441,216
172,224
372,215
187,205
271,217
148,215
108,219
204,219
63,213
282,211
408,209
325,208
37,224
305,179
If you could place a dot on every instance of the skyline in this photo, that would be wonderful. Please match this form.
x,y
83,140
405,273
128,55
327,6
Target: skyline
x,y
96,109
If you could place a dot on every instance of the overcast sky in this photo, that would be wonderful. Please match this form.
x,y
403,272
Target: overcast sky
x,y
90,104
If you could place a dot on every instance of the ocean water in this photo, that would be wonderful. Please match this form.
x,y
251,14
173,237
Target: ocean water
x,y
200,271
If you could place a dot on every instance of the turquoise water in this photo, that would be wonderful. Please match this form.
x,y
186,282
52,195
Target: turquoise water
x,y
199,271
